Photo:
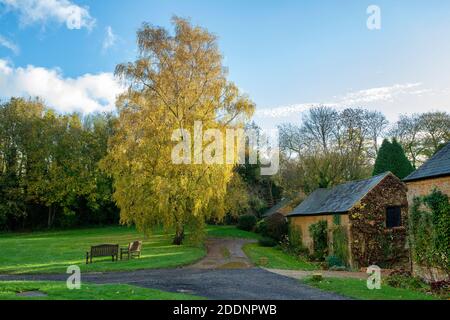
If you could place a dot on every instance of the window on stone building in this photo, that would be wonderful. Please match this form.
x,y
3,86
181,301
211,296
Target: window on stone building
x,y
393,217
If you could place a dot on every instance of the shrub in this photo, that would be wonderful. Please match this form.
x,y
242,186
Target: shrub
x,y
228,220
276,227
261,227
267,242
403,279
319,233
334,261
247,222
441,287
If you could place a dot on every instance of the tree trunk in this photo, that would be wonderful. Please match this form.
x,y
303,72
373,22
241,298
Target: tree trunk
x,y
51,216
49,220
179,236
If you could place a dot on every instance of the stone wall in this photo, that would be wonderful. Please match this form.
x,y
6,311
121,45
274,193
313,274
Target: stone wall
x,y
424,187
370,241
303,223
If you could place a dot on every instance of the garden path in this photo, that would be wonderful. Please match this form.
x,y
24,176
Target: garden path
x,y
224,254
300,274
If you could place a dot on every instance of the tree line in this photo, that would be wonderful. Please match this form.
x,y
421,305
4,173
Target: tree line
x,y
55,171
70,170
49,167
331,146
63,170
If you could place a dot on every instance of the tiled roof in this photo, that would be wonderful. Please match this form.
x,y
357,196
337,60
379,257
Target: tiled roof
x,y
339,199
280,205
437,165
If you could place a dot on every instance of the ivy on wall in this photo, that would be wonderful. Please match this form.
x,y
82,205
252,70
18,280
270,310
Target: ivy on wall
x,y
319,234
293,243
340,243
371,241
430,231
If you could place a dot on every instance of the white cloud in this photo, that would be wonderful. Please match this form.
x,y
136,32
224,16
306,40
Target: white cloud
x,y
87,93
361,98
9,45
280,112
63,11
110,39
388,93
392,100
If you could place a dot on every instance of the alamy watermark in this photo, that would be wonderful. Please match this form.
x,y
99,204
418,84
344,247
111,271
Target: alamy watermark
x,y
74,280
229,146
374,19
374,279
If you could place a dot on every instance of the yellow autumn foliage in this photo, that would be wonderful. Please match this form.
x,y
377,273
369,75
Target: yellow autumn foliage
x,y
176,80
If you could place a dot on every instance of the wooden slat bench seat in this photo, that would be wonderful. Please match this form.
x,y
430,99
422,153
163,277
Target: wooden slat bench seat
x,y
133,249
103,250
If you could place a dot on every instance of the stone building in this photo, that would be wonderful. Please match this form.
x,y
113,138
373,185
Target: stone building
x,y
373,213
435,173
282,207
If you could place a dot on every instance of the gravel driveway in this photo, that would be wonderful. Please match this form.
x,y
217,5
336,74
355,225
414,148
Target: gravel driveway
x,y
226,284
225,274
224,254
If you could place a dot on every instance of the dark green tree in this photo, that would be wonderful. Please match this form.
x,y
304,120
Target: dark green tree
x,y
49,167
382,162
391,157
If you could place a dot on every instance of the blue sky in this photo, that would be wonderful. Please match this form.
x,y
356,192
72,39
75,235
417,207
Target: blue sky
x,y
286,55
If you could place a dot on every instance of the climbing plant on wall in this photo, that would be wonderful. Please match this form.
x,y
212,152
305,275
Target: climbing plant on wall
x,y
292,242
319,234
340,243
430,231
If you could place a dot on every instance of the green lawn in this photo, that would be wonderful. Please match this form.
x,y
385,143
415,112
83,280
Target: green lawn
x,y
355,288
230,232
277,259
59,291
53,252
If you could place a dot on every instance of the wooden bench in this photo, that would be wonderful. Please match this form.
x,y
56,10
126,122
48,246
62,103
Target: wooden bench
x,y
133,249
104,250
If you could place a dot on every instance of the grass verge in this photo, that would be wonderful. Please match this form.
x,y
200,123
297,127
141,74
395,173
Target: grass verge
x,y
276,259
59,291
357,289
